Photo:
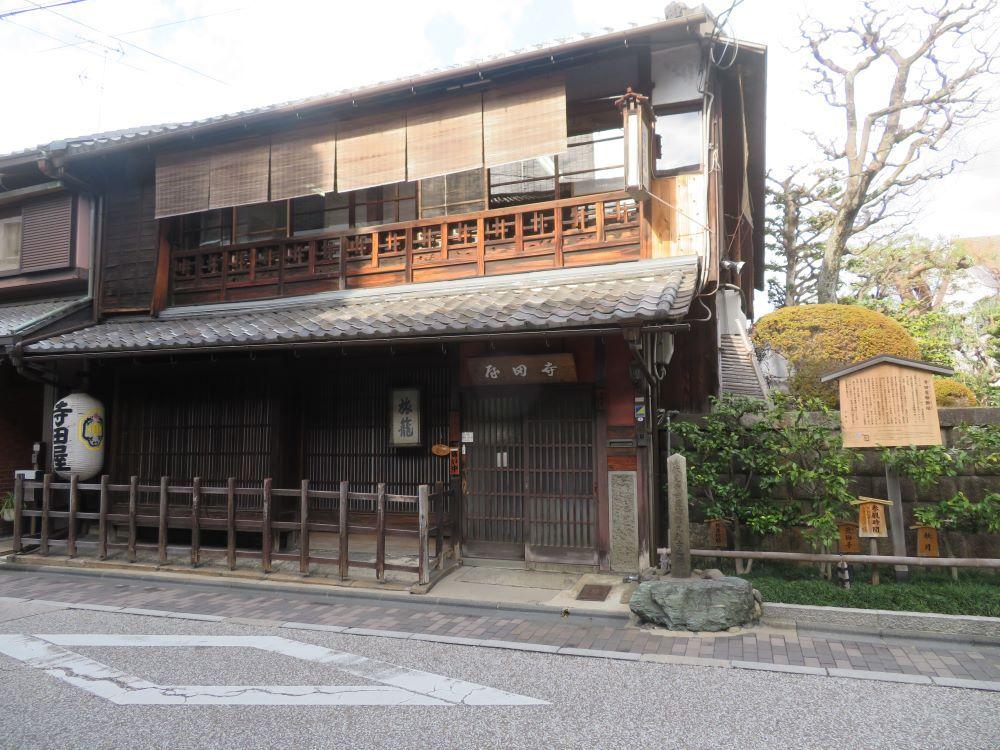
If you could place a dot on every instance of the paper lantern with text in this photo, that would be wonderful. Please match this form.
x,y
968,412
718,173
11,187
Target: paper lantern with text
x,y
78,436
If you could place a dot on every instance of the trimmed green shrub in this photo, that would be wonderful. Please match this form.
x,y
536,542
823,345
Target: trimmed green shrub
x,y
950,392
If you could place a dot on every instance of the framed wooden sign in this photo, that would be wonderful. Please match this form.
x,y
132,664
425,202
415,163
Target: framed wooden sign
x,y
849,542
927,541
888,401
528,368
405,418
872,522
716,533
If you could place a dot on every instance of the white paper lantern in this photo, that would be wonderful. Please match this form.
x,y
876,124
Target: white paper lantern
x,y
78,436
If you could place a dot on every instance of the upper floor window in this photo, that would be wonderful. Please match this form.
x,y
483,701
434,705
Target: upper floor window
x,y
458,193
261,221
10,243
680,139
386,204
207,229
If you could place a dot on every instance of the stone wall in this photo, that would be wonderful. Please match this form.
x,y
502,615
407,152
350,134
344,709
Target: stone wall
x,y
869,480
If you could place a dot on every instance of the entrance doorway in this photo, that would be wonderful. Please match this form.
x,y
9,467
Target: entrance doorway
x,y
529,474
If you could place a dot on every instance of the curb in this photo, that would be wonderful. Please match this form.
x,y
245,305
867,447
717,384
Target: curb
x,y
318,590
630,656
885,623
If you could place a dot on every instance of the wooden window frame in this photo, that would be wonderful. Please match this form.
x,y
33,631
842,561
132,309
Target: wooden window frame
x,y
10,217
680,108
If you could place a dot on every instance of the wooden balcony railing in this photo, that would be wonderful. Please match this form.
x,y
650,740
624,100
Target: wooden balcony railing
x,y
589,230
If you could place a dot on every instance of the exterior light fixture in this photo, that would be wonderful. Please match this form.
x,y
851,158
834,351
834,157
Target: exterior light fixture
x,y
733,265
637,120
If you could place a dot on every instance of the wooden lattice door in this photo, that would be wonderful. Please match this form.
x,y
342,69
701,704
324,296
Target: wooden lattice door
x,y
529,475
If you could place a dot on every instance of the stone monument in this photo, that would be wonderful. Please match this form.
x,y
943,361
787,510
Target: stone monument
x,y
707,602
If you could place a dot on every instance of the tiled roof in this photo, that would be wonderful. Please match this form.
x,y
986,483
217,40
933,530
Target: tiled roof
x,y
81,144
548,301
18,316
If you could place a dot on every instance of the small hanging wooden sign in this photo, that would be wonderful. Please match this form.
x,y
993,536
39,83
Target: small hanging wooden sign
x,y
872,521
716,533
927,541
850,543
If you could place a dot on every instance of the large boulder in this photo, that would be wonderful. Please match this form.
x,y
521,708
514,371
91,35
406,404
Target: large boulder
x,y
698,604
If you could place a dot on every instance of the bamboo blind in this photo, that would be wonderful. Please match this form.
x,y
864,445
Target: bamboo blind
x,y
444,138
238,175
303,163
524,121
371,152
182,183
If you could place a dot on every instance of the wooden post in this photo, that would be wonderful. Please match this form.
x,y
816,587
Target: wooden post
x,y
439,524
102,520
380,534
74,503
195,522
133,501
342,550
304,528
231,522
161,536
46,499
896,528
423,511
265,530
873,549
18,518
679,532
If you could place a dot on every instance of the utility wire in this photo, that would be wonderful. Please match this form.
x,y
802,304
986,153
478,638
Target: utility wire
x,y
133,45
118,50
151,28
19,11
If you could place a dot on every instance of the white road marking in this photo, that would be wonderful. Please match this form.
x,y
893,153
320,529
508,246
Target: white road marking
x,y
399,686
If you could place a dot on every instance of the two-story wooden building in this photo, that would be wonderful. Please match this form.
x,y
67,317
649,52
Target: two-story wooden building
x,y
441,278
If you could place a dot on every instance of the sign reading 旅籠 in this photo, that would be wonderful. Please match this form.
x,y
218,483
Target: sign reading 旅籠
x,y
405,427
528,368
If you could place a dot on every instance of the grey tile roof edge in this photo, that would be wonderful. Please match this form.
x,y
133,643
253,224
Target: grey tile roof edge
x,y
554,277
52,309
141,134
636,298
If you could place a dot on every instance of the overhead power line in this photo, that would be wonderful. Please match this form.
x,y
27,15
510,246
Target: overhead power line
x,y
132,45
117,50
19,11
151,28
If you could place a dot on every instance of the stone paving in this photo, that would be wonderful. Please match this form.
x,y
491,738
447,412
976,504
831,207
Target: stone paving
x,y
785,649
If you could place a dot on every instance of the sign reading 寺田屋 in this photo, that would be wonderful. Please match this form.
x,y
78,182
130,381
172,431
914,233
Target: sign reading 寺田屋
x,y
888,401
528,368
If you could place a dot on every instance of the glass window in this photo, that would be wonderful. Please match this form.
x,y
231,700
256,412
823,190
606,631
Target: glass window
x,y
10,243
261,221
679,134
330,212
528,181
207,229
593,163
458,193
386,204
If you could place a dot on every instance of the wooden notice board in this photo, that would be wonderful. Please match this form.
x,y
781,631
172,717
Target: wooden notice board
x,y
872,522
888,405
849,541
527,368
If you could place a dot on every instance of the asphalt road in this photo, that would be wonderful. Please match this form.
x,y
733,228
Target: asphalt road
x,y
539,700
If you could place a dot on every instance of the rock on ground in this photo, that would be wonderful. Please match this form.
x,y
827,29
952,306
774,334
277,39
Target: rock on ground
x,y
698,604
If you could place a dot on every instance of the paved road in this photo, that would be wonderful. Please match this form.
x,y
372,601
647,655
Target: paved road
x,y
551,700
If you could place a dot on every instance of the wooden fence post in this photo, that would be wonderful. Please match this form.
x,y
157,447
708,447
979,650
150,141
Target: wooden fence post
x,y
164,527
102,520
380,534
46,499
231,522
18,518
304,529
423,501
74,502
195,522
342,549
133,501
265,530
440,499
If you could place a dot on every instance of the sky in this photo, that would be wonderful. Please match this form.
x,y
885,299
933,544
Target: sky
x,y
107,64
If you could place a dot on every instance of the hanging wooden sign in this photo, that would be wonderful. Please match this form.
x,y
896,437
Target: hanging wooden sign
x,y
440,450
872,522
850,543
454,463
405,423
716,533
927,541
528,368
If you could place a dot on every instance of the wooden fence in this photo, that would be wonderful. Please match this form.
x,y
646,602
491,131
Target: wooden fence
x,y
234,509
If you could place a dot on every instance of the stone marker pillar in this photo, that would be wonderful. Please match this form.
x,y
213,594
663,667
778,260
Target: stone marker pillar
x,y
680,532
